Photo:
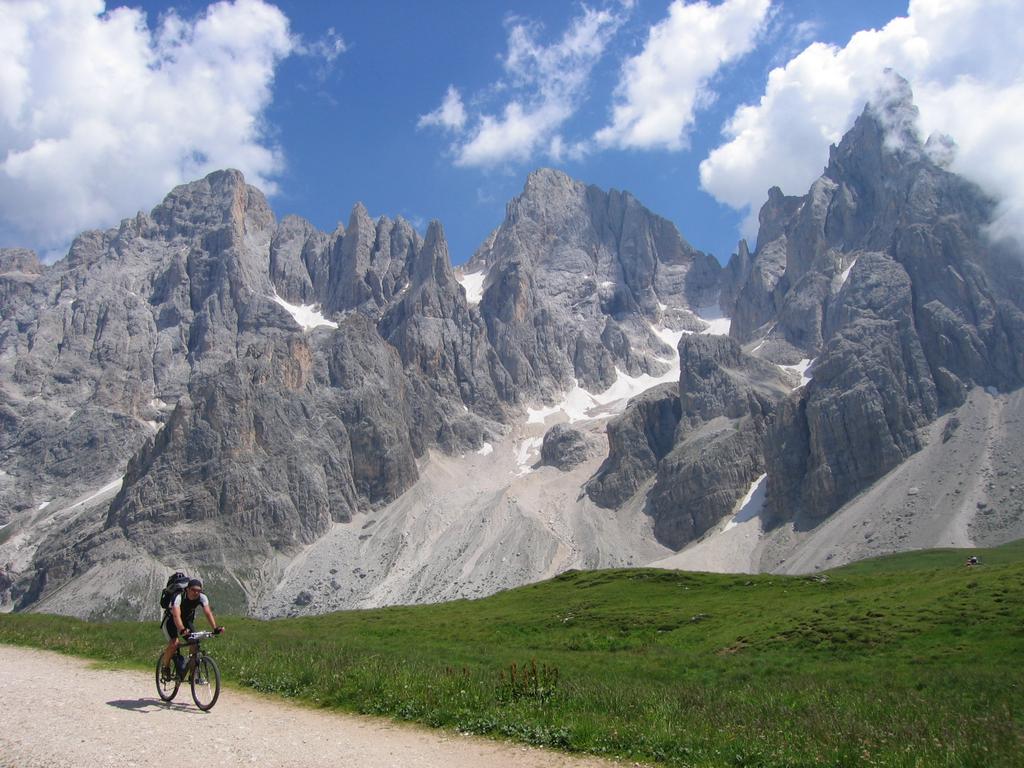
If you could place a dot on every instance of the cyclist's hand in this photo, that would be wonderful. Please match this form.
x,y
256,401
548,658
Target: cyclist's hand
x,y
186,632
218,630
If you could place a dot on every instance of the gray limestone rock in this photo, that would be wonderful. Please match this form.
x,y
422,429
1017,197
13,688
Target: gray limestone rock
x,y
717,379
370,265
891,284
706,473
871,392
575,277
728,400
733,277
638,439
296,252
19,260
444,343
155,351
565,447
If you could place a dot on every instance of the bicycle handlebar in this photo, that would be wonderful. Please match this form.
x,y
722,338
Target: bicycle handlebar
x,y
197,636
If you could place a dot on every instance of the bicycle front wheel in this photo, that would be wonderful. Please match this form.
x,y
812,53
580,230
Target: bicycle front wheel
x,y
205,683
166,681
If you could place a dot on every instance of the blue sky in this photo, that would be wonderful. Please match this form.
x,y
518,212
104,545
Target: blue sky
x,y
695,108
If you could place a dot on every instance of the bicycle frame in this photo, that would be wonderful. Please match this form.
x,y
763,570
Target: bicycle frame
x,y
200,672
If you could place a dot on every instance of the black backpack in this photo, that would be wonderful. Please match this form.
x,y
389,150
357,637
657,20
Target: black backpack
x,y
175,586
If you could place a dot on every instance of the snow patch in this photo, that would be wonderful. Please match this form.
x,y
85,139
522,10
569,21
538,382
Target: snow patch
x,y
306,315
42,506
670,337
579,405
486,450
114,485
800,369
160,405
626,386
473,284
540,415
527,448
846,274
763,340
750,506
718,324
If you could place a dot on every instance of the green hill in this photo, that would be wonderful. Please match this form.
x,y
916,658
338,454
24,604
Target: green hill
x,y
908,660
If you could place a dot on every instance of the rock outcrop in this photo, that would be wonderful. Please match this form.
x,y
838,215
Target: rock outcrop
x,y
728,400
565,447
638,439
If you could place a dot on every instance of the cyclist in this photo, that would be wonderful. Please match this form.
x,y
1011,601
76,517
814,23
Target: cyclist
x,y
179,619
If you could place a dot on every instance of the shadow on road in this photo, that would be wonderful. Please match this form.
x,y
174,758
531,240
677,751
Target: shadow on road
x,y
145,706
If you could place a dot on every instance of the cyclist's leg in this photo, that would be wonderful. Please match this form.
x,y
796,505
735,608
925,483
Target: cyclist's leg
x,y
182,662
168,629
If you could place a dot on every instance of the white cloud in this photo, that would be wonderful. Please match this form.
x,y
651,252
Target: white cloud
x,y
963,60
100,115
661,88
451,114
544,85
560,150
329,47
515,135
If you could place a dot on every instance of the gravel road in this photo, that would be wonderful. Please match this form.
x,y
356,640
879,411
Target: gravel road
x,y
59,712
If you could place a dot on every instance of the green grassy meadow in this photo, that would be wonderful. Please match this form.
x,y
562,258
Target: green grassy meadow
x,y
909,660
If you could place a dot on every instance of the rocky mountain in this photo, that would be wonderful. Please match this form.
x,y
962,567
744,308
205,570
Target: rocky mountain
x,y
881,284
207,386
892,287
319,420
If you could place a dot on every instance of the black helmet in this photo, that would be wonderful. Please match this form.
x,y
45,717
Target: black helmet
x,y
195,583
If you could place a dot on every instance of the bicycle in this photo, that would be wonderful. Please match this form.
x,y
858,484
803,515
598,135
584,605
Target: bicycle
x,y
201,671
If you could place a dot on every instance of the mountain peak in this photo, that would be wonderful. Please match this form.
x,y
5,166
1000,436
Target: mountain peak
x,y
548,181
893,107
432,261
220,198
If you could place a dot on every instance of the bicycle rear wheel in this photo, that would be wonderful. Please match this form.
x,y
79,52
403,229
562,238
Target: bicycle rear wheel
x,y
166,685
205,683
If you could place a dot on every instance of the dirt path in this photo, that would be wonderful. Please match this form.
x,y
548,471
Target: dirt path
x,y
59,712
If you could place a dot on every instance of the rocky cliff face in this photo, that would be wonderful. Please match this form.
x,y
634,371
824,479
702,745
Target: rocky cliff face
x,y
883,275
574,278
703,440
166,351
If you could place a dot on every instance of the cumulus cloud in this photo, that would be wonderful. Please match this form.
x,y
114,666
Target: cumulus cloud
x,y
543,86
451,114
962,59
100,114
661,88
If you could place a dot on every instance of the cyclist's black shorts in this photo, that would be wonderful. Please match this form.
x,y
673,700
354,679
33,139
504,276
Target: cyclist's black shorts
x,y
169,629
